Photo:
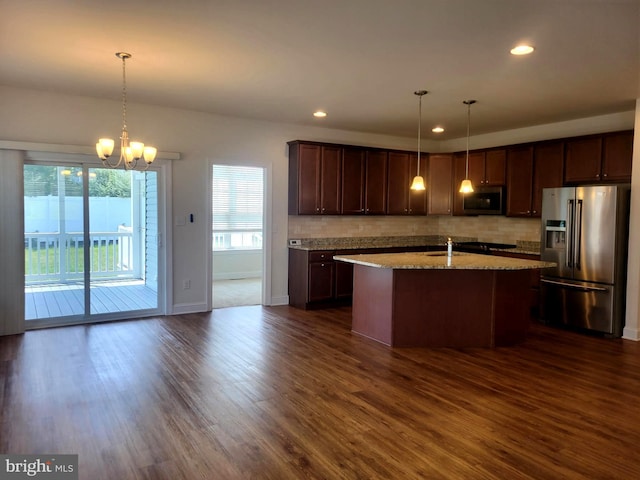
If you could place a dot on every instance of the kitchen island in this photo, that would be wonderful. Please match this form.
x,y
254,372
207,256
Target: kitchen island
x,y
428,299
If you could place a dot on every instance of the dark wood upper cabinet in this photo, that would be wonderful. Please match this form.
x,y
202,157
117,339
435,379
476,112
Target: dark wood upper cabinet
x,y
519,181
398,183
459,170
304,178
617,157
495,162
487,168
418,199
476,168
401,200
599,158
547,171
440,184
314,178
330,180
353,169
583,159
376,182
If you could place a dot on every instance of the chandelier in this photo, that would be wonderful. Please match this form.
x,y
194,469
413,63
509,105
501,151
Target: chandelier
x,y
418,181
130,152
466,186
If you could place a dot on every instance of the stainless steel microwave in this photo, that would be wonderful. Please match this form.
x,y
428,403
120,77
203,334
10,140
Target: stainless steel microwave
x,y
484,201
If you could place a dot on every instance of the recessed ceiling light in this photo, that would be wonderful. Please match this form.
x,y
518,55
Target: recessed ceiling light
x,y
319,114
437,129
522,50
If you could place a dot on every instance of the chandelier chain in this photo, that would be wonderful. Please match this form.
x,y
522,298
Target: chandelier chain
x,y
124,94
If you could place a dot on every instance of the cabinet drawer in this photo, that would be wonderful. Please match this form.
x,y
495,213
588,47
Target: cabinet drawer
x,y
321,256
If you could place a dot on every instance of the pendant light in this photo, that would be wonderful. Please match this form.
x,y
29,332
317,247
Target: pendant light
x,y
418,181
466,186
130,152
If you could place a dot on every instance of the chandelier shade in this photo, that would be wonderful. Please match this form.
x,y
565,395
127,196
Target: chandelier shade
x,y
130,152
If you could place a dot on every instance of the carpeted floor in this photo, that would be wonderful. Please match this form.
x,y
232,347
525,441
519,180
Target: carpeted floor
x,y
235,293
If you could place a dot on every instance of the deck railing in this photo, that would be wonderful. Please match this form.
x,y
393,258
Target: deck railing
x,y
56,257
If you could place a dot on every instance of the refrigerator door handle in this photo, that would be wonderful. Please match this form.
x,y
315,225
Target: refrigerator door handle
x,y
569,242
578,234
573,286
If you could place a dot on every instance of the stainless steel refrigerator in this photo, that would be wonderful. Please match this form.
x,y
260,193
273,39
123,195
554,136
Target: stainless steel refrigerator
x,y
585,230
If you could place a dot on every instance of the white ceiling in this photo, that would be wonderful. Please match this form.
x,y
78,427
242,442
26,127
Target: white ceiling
x,y
360,60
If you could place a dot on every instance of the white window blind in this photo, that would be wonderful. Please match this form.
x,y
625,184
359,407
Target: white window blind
x,y
237,207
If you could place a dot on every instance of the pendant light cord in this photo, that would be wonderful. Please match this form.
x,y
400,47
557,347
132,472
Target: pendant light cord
x,y
466,171
468,103
419,129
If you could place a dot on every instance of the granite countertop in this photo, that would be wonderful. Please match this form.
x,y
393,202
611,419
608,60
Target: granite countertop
x,y
440,261
359,243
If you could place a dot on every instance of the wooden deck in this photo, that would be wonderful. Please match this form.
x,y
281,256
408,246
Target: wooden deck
x,y
63,300
280,393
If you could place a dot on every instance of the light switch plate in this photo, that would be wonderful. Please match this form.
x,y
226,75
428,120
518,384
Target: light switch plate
x,y
295,242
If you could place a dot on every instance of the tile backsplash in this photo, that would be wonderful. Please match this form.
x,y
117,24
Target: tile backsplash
x,y
490,228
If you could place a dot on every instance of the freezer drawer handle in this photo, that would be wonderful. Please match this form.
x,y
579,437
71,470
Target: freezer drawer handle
x,y
574,287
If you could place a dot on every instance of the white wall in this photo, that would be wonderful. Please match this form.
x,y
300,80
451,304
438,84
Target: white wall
x,y
202,139
236,264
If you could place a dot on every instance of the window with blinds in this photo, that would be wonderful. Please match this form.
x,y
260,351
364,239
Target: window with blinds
x,y
237,207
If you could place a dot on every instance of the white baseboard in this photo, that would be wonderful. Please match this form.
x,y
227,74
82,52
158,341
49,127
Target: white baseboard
x,y
182,308
284,300
236,275
631,334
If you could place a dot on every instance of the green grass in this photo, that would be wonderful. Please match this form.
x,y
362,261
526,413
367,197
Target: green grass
x,y
45,261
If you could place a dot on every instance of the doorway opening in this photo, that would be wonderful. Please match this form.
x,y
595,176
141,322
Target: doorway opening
x,y
237,233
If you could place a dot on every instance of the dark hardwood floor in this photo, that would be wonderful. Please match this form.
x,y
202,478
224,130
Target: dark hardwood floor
x,y
280,393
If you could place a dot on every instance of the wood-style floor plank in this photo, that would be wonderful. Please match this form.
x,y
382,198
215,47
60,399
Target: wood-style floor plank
x,y
280,393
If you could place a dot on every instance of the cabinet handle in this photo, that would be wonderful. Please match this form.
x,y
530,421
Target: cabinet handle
x,y
605,175
597,175
535,212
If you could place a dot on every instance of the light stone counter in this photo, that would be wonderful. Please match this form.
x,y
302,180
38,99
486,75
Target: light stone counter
x,y
440,261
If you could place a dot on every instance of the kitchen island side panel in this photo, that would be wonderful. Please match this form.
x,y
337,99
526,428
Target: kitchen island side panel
x,y
373,303
437,308
512,302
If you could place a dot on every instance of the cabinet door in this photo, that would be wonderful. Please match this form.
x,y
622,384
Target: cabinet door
x,y
476,168
330,184
495,162
376,182
617,157
440,184
321,275
418,198
547,171
459,161
583,160
305,167
398,183
353,168
519,181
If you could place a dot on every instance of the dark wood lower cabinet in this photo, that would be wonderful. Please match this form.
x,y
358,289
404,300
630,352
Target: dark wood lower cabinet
x,y
317,281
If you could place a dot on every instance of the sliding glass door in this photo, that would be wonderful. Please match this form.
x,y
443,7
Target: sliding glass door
x,y
91,244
